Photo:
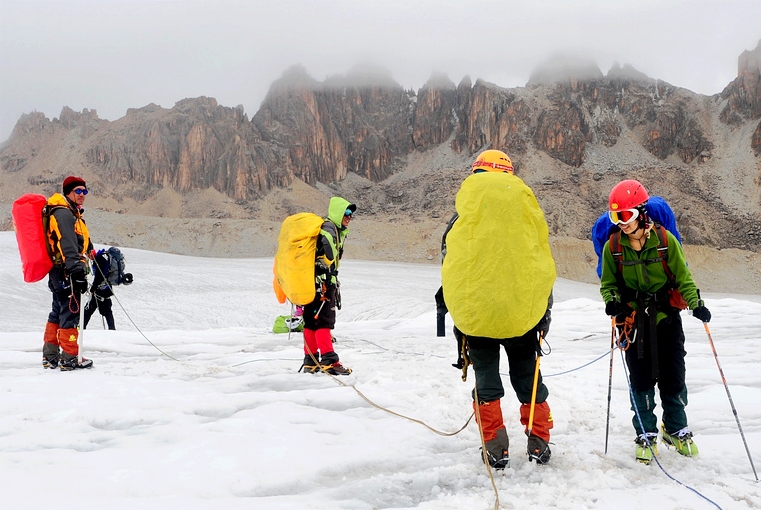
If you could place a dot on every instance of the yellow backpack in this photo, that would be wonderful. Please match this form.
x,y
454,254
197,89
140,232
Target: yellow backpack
x,y
294,260
498,272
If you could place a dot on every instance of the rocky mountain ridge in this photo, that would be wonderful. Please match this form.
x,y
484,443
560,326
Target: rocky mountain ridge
x,y
402,154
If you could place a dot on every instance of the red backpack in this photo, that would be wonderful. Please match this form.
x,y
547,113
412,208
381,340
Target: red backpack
x,y
30,214
675,297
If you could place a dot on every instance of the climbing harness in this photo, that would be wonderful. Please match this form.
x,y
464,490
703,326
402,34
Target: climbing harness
x,y
628,331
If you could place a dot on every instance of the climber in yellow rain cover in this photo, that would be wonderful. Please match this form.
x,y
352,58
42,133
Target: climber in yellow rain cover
x,y
497,279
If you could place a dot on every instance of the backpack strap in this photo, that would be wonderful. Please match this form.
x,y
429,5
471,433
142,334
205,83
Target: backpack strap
x,y
663,250
614,243
662,253
47,212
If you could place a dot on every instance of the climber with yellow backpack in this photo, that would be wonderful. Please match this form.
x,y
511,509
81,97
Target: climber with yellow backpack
x,y
306,273
497,278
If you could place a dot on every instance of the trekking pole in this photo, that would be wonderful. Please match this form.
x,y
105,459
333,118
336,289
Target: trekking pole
x,y
610,376
731,403
319,310
80,337
322,298
533,390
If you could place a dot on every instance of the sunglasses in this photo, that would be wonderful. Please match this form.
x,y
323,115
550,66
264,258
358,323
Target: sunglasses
x,y
348,213
80,191
623,217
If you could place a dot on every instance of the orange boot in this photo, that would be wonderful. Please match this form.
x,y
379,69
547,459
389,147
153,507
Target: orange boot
x,y
67,338
51,352
538,441
489,418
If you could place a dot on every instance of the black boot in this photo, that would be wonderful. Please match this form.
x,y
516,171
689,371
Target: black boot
x,y
73,363
538,450
331,365
497,450
311,363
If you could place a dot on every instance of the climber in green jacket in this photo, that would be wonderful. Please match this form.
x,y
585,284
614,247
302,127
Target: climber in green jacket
x,y
645,283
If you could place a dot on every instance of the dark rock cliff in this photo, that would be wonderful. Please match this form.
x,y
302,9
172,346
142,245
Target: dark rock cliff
x,y
367,125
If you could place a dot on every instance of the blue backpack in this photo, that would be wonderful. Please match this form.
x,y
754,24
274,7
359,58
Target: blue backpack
x,y
113,272
658,210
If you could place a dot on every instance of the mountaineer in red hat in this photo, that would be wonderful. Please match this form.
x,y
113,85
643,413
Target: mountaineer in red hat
x,y
69,243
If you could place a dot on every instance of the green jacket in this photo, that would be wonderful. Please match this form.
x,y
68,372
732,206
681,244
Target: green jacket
x,y
636,277
330,243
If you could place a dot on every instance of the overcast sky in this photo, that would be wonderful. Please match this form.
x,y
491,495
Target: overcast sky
x,y
113,55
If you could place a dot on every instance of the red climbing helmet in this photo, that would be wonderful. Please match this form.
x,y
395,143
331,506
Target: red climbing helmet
x,y
627,195
627,202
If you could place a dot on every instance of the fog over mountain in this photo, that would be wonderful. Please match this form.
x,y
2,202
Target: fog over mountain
x,y
121,54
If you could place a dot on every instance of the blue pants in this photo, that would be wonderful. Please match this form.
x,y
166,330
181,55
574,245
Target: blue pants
x,y
65,308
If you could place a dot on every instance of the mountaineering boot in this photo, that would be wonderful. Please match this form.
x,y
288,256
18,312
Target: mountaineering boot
x,y
538,450
489,418
73,364
310,366
50,361
497,454
68,339
538,446
645,442
51,351
330,365
335,369
682,441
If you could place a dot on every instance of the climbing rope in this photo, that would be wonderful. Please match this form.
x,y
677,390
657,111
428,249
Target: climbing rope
x,y
655,457
130,318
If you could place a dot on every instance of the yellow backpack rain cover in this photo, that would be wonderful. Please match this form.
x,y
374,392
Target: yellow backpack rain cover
x,y
498,271
294,260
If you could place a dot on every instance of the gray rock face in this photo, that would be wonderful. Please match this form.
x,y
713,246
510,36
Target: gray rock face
x,y
572,134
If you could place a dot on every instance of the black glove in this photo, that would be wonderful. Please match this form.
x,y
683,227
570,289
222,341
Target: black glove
x,y
321,265
441,312
460,339
79,282
701,312
127,279
543,328
613,308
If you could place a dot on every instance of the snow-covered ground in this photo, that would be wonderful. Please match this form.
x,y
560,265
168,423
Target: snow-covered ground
x,y
194,403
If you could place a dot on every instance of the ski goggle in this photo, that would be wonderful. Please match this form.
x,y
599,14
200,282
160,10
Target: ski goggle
x,y
348,212
80,191
624,216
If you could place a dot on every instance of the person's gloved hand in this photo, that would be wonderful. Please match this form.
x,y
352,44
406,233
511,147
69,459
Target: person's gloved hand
x,y
543,328
79,282
322,264
127,279
321,269
613,308
701,312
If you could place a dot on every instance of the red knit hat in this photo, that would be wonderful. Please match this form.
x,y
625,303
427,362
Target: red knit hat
x,y
72,182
